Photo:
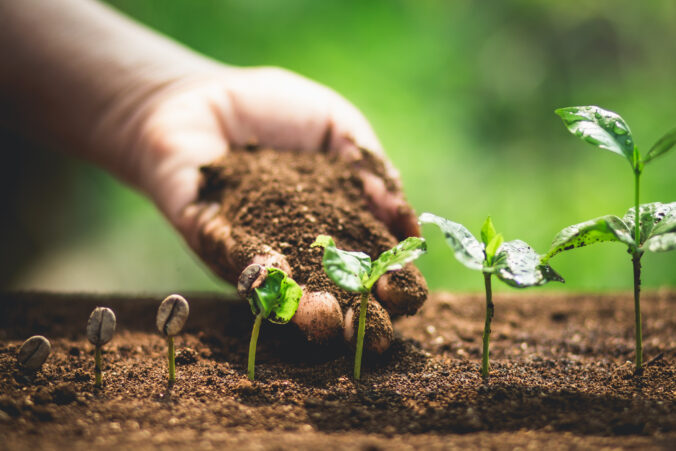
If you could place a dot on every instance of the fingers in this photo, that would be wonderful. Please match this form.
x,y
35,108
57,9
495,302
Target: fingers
x,y
402,292
228,250
390,207
378,334
318,316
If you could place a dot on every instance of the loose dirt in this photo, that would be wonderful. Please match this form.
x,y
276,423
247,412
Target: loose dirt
x,y
284,200
561,378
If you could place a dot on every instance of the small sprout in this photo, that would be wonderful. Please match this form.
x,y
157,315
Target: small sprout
x,y
100,330
272,295
513,262
607,130
33,353
171,317
356,273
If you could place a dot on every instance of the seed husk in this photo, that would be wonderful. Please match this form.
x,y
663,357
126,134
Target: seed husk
x,y
172,315
250,279
33,352
101,326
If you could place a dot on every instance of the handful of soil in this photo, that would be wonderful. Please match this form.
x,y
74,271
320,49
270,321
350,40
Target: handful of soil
x,y
285,199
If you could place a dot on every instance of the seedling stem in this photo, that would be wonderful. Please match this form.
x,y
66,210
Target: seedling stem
x,y
97,367
360,334
487,326
172,361
636,260
252,344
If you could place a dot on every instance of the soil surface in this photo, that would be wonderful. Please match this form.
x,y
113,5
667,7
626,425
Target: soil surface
x,y
561,378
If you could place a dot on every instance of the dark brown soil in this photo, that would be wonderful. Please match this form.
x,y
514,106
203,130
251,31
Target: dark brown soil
x,y
561,379
284,200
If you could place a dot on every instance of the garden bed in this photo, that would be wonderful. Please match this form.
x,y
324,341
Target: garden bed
x,y
561,376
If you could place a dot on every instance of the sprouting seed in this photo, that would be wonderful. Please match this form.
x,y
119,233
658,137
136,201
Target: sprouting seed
x,y
33,352
100,330
171,317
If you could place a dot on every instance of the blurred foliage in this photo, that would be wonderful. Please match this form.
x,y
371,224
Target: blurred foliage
x,y
462,96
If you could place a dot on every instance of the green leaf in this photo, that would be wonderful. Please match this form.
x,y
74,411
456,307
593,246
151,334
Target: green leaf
x,y
518,265
488,231
493,246
394,259
662,146
601,128
661,243
348,270
277,297
605,228
466,248
654,219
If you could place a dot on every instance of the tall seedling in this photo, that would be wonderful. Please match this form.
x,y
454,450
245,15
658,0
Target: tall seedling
x,y
655,227
513,262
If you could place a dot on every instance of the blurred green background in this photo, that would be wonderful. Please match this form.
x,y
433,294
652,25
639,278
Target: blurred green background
x,y
462,96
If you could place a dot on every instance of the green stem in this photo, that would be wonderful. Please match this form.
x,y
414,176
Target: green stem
x,y
172,362
637,230
636,260
487,325
97,367
253,343
360,335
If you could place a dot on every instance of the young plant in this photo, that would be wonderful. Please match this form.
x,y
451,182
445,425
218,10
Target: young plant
x,y
272,295
355,272
100,330
171,317
607,130
33,353
657,233
513,262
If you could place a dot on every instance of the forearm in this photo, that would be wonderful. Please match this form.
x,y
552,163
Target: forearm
x,y
77,73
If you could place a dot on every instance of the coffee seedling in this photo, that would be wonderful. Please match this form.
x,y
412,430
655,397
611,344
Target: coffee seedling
x,y
657,233
272,295
171,317
356,273
100,330
607,130
33,353
513,262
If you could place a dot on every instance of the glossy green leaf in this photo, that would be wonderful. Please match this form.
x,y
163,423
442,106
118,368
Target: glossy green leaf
x,y
277,298
661,243
348,270
467,249
394,259
601,128
493,246
518,265
662,146
654,219
488,231
605,228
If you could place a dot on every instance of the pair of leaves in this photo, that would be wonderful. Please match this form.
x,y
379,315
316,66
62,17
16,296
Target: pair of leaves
x,y
657,227
277,297
355,272
513,262
607,130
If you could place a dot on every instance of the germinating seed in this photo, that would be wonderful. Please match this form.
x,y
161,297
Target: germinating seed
x,y
172,315
252,277
33,352
101,326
